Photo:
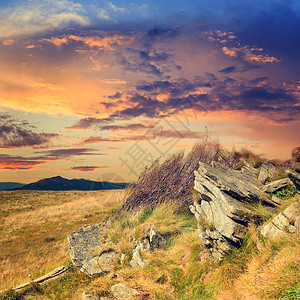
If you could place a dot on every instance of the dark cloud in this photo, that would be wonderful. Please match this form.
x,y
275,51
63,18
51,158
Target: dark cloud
x,y
70,152
258,80
86,168
228,70
271,96
89,122
182,94
16,133
128,127
117,95
157,85
162,32
141,66
11,162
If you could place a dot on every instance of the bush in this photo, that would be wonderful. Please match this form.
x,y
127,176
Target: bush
x,y
171,180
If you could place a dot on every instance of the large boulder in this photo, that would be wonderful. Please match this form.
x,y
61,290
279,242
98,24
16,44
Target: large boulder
x,y
224,212
239,185
285,223
276,185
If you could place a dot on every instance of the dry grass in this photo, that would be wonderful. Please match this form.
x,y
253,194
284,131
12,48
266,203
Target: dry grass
x,y
172,180
34,227
184,270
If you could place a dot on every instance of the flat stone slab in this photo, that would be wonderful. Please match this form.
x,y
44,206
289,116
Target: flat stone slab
x,y
276,185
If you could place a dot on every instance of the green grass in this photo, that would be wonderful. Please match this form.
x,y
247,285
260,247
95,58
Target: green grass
x,y
286,193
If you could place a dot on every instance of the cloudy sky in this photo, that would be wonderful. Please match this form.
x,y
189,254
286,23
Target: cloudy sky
x,y
99,89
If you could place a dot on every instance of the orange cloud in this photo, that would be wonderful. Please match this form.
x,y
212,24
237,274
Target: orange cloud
x,y
249,54
107,43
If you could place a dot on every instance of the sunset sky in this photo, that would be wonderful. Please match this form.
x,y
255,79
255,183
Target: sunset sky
x,y
99,89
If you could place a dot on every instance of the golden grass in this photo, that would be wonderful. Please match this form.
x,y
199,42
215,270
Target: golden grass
x,y
183,269
35,225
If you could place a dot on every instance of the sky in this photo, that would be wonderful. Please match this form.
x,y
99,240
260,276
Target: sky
x,y
101,89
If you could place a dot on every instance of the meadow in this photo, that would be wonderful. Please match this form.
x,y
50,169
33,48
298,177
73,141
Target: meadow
x,y
34,226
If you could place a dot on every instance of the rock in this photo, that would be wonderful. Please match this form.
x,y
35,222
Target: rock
x,y
266,171
295,178
296,154
137,260
156,239
248,168
295,161
287,222
234,183
121,290
222,213
101,264
276,185
144,244
277,200
83,241
153,240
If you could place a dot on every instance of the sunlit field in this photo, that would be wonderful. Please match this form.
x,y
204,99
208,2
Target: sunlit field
x,y
34,226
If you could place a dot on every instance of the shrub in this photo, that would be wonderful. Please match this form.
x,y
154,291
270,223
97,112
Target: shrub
x,y
171,180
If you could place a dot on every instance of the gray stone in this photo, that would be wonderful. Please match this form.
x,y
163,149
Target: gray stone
x,y
223,212
137,260
152,241
276,185
266,171
248,168
285,223
295,178
99,265
241,186
277,200
121,290
143,245
83,241
156,239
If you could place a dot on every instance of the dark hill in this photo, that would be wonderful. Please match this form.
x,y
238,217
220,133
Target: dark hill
x,y
59,183
10,185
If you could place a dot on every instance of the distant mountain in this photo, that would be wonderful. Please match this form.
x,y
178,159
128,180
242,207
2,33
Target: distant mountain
x,y
10,185
59,183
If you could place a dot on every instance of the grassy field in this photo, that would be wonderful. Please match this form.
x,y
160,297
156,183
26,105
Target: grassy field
x,y
34,226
